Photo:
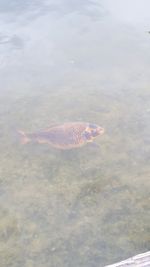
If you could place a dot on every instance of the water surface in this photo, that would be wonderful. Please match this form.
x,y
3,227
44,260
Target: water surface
x,y
74,61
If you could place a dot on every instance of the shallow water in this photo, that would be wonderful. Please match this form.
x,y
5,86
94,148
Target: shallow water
x,y
74,61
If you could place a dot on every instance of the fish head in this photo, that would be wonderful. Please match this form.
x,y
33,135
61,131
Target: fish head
x,y
95,130
92,130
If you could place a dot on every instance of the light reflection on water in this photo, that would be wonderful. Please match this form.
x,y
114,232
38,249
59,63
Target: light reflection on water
x,y
73,62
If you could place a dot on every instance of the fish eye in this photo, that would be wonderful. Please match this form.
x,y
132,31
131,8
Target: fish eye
x,y
94,133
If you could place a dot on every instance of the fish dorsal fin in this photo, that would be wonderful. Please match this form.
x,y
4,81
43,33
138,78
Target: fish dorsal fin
x,y
51,126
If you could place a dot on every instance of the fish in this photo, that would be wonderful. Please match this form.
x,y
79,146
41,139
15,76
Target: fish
x,y
65,136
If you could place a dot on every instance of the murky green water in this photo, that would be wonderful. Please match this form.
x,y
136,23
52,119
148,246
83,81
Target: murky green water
x,y
74,61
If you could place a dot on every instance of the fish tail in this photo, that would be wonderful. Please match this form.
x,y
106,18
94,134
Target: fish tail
x,y
24,138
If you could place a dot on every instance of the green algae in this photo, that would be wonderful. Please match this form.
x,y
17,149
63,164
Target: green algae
x,y
89,204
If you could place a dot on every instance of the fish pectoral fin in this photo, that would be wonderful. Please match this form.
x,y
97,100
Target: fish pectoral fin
x,y
51,126
90,140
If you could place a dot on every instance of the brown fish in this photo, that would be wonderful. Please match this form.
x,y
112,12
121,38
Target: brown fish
x,y
65,136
